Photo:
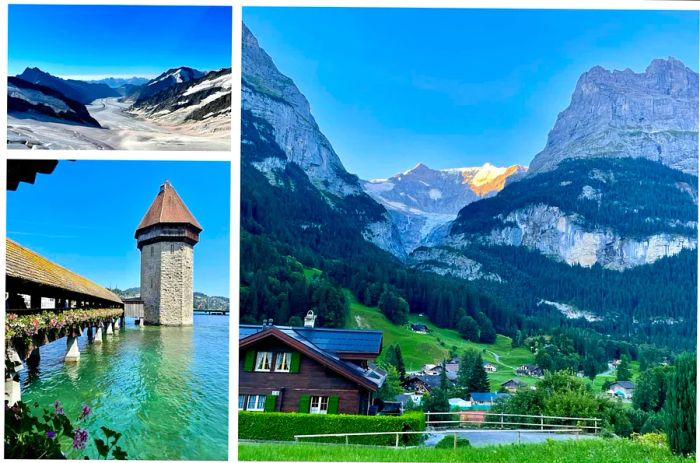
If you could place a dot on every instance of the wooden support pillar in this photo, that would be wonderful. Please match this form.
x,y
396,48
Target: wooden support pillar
x,y
98,333
13,391
34,358
89,333
109,331
72,352
141,322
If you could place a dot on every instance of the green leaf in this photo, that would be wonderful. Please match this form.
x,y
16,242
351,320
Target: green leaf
x,y
102,448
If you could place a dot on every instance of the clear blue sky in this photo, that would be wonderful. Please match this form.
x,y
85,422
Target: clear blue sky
x,y
106,40
83,216
454,88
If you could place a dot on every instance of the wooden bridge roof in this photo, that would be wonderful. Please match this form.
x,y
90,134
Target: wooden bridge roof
x,y
168,207
25,264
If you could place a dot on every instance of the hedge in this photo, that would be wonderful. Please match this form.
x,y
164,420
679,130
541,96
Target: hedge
x,y
283,426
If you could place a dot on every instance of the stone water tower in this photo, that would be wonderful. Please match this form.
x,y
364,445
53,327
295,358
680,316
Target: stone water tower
x,y
166,237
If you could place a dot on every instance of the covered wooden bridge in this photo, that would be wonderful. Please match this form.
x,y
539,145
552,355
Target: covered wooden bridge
x,y
45,302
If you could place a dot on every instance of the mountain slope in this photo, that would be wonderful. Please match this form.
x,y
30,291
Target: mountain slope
x,y
653,115
25,98
165,80
422,201
618,213
270,96
82,92
205,99
116,82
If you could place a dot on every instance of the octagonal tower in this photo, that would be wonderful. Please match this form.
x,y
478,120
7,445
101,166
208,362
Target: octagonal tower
x,y
166,237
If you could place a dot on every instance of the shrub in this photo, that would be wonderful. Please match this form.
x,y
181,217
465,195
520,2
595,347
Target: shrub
x,y
654,439
448,442
283,426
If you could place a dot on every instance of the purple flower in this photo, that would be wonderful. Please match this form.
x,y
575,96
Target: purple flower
x,y
80,438
57,408
50,434
85,411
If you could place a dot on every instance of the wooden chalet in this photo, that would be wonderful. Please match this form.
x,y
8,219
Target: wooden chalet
x,y
307,369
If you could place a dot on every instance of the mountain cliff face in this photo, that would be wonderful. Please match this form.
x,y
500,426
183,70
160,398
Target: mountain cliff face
x,y
82,92
32,100
652,115
616,184
272,97
422,201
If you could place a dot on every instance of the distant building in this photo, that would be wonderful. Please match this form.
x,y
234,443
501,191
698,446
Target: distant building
x,y
512,385
307,369
457,403
451,367
490,367
419,328
529,370
422,384
622,389
409,399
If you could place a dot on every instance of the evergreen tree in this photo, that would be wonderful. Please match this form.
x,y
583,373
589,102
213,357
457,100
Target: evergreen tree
x,y
623,372
479,380
392,385
468,328
464,374
680,406
400,366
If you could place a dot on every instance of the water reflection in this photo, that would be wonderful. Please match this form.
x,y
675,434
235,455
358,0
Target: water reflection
x,y
164,388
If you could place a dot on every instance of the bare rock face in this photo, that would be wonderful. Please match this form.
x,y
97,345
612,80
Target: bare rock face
x,y
270,95
565,237
449,261
653,115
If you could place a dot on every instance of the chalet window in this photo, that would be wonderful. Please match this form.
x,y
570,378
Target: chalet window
x,y
256,403
241,402
263,361
319,404
282,362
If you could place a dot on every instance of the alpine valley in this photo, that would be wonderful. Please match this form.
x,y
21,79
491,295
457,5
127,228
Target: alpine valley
x,y
598,235
181,109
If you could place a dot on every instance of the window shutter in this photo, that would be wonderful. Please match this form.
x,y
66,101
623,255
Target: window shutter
x,y
249,360
294,362
304,404
271,403
333,402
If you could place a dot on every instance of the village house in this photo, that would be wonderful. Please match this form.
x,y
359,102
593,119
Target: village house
x,y
422,384
452,368
512,385
622,389
529,370
419,328
489,367
307,369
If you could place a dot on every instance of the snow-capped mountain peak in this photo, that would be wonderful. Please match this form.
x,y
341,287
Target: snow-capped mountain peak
x,y
423,200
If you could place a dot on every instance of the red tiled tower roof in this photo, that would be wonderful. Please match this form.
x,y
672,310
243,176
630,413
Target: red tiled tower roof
x,y
167,208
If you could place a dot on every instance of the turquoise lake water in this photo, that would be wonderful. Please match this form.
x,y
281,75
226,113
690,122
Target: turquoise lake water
x,y
164,388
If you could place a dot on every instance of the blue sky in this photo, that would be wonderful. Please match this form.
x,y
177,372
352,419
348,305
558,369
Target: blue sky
x,y
84,215
103,40
454,88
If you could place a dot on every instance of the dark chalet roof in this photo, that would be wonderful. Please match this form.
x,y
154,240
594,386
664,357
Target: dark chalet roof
x,y
168,208
325,345
26,265
337,341
26,170
624,384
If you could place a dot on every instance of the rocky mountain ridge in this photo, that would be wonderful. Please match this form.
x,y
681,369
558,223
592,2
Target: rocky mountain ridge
x,y
271,96
652,115
77,90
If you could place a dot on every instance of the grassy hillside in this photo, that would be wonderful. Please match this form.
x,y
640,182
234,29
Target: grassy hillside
x,y
419,349
573,451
